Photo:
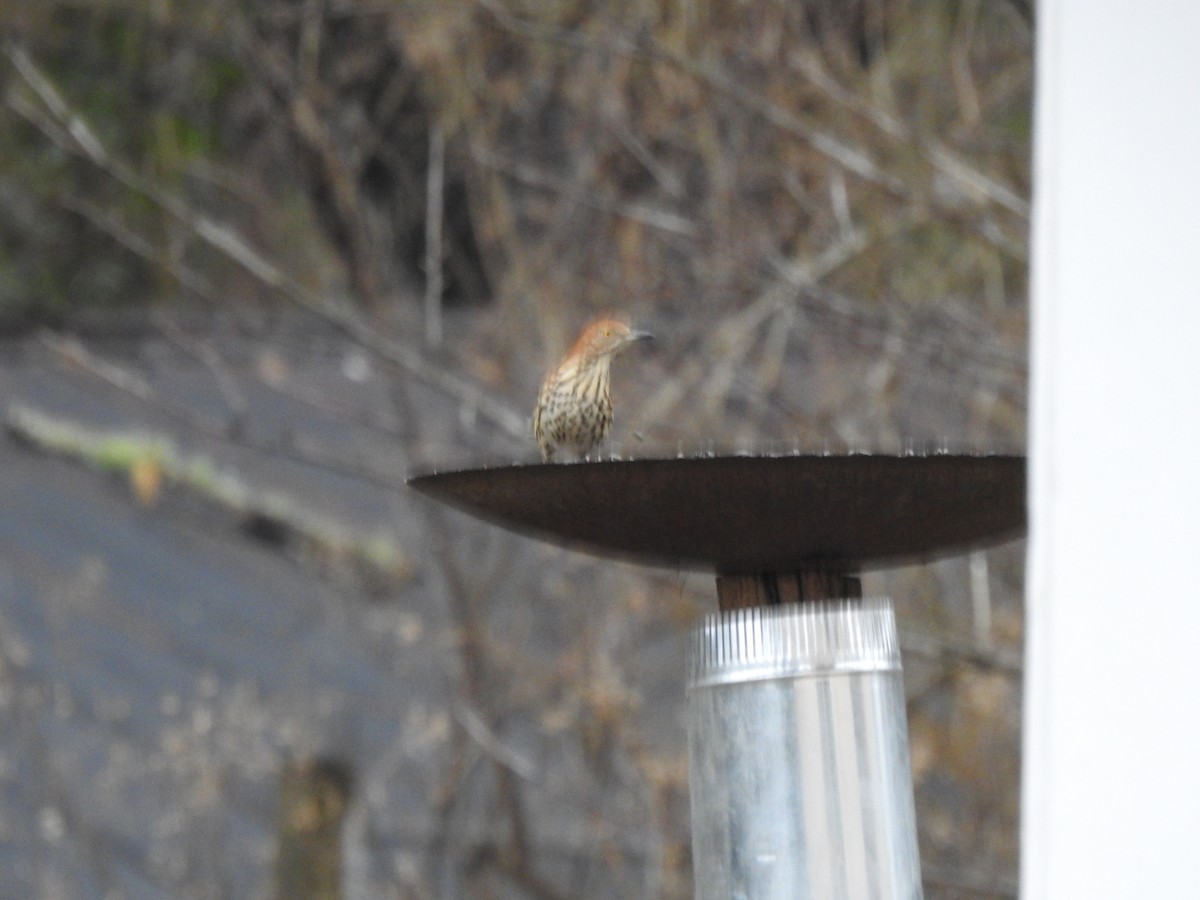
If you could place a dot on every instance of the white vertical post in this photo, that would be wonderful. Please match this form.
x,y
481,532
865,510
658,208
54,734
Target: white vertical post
x,y
1111,799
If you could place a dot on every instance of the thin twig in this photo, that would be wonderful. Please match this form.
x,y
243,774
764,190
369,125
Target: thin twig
x,y
491,744
532,176
136,244
207,354
434,208
973,183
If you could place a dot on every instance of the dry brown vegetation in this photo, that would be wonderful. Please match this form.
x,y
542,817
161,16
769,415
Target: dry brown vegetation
x,y
821,208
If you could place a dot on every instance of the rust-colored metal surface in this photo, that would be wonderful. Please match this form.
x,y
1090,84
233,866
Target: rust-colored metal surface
x,y
749,514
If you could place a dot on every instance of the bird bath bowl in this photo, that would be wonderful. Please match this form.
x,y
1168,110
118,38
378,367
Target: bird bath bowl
x,y
755,516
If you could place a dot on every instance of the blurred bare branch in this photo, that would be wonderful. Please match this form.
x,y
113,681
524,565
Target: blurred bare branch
x,y
135,243
210,357
482,735
434,204
581,194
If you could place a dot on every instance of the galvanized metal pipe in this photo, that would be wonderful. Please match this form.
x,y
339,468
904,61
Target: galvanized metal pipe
x,y
799,764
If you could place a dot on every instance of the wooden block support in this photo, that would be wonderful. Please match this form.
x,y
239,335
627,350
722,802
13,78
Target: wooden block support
x,y
314,795
775,588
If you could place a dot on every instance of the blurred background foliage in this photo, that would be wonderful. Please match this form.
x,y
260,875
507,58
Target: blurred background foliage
x,y
854,172
821,208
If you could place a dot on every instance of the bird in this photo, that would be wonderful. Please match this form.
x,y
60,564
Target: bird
x,y
574,406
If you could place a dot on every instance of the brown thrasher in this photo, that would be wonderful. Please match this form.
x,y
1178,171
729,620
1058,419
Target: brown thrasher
x,y
574,408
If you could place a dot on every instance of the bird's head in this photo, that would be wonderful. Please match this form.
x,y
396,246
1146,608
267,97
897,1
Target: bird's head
x,y
606,337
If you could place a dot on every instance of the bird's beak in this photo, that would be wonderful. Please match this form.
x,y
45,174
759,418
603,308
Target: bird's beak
x,y
641,336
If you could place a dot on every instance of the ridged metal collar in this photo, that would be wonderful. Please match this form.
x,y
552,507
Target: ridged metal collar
x,y
822,637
